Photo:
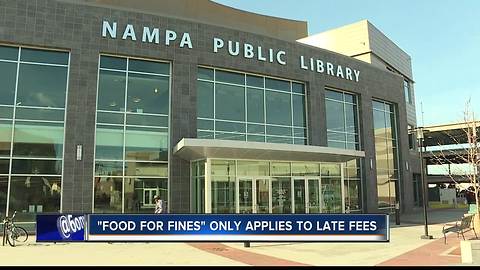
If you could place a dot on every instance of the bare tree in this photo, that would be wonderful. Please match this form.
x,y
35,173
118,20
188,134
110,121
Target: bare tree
x,y
467,153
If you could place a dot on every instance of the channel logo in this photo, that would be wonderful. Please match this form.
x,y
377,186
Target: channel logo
x,y
61,227
68,225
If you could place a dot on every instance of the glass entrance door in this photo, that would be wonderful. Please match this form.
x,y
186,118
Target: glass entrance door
x,y
281,195
306,195
254,195
299,197
314,196
245,195
262,196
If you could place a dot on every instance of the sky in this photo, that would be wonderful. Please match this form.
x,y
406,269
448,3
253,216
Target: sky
x,y
441,36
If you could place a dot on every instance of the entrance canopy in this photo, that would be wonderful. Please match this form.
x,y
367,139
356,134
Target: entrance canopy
x,y
193,149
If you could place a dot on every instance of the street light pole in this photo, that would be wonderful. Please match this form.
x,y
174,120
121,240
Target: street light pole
x,y
420,136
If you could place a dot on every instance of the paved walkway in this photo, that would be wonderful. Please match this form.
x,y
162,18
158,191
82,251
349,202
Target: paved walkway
x,y
405,248
244,256
434,253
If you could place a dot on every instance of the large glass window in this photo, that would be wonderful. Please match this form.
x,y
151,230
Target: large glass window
x,y
33,93
239,106
342,120
384,118
132,138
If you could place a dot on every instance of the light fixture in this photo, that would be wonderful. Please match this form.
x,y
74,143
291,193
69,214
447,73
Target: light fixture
x,y
156,90
113,104
136,100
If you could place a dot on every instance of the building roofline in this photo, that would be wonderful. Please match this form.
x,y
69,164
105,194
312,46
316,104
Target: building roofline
x,y
210,13
258,14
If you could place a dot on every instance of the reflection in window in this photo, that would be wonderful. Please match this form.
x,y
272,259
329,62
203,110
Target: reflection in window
x,y
255,103
43,56
8,76
38,80
230,102
111,91
275,103
32,166
43,140
386,154
140,192
109,143
205,99
42,86
5,138
146,169
146,144
4,166
34,194
109,168
132,135
147,94
248,107
108,195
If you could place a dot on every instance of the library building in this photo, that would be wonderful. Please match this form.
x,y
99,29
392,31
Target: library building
x,y
106,104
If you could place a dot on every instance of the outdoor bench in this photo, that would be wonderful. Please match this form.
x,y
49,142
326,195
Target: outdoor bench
x,y
464,226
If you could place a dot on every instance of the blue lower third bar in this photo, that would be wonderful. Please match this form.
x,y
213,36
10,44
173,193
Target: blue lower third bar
x,y
237,227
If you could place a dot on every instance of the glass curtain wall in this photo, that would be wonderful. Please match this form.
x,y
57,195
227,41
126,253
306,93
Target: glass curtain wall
x,y
386,153
33,93
343,132
131,151
245,107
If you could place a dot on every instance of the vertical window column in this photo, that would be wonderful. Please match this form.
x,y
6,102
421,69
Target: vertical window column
x,y
33,95
132,135
343,132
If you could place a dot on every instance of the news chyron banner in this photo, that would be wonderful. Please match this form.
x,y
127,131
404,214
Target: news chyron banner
x,y
239,227
213,227
61,227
